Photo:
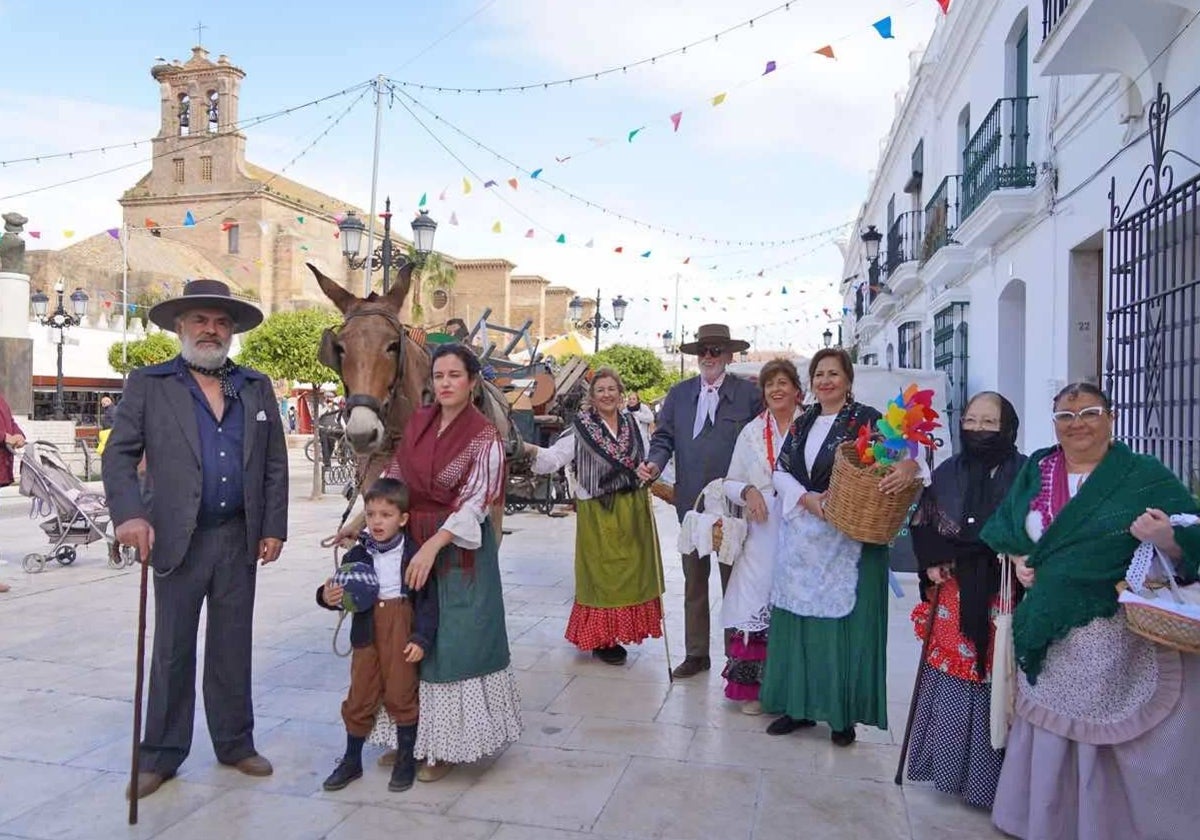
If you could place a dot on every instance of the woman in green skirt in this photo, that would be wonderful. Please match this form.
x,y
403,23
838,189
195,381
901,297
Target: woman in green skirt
x,y
617,571
827,643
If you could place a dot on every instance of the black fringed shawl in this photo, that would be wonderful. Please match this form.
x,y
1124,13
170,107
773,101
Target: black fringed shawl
x,y
604,465
845,427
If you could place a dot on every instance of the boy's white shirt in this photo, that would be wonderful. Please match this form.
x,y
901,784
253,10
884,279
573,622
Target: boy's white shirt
x,y
388,568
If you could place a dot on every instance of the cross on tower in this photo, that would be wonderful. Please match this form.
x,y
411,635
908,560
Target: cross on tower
x,y
200,27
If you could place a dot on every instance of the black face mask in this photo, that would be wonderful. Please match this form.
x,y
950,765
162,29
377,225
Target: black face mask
x,y
988,447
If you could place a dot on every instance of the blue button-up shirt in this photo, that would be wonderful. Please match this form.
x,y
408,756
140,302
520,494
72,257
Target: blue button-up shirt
x,y
220,450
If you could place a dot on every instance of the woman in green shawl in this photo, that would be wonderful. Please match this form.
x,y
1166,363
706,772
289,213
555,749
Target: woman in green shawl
x,y
1103,740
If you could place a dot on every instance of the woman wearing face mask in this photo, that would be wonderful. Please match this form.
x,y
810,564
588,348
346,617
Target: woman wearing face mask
x,y
951,737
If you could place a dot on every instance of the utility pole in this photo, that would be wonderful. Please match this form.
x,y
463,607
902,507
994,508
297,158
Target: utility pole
x,y
379,85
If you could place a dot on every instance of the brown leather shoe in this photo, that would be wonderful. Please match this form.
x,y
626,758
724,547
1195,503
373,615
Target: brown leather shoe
x,y
147,783
427,772
254,765
691,666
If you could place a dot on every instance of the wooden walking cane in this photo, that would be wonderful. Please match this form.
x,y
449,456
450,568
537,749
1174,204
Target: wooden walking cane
x,y
135,761
658,571
912,706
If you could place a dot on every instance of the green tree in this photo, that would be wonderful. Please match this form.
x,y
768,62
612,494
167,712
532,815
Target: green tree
x,y
152,350
285,346
640,368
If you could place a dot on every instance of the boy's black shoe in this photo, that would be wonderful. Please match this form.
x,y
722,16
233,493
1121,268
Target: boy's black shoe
x,y
346,772
404,771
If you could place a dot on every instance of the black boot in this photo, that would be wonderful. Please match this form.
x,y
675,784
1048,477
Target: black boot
x,y
349,766
404,771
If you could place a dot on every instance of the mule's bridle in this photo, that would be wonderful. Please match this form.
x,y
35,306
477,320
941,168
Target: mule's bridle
x,y
366,400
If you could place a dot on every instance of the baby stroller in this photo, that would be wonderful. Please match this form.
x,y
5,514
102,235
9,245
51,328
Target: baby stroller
x,y
75,516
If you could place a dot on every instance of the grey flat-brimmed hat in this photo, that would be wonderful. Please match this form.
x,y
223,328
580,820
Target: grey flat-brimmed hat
x,y
206,294
713,335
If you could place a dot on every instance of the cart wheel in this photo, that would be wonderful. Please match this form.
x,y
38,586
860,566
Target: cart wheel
x,y
512,507
65,555
33,563
545,506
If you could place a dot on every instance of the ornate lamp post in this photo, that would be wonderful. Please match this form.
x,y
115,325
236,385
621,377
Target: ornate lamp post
x,y
597,322
827,337
352,228
871,239
60,320
671,346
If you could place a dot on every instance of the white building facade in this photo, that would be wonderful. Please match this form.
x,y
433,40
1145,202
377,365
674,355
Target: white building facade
x,y
1038,215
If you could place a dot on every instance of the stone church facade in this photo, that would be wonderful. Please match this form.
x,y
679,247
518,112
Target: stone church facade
x,y
260,228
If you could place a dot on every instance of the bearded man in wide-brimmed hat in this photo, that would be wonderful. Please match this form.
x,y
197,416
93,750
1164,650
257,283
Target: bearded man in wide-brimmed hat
x,y
213,503
698,424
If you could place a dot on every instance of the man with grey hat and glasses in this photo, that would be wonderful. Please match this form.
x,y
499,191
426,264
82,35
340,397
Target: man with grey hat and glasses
x,y
213,503
699,423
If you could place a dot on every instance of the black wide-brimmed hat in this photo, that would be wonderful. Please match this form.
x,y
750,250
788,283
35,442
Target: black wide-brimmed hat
x,y
206,294
714,335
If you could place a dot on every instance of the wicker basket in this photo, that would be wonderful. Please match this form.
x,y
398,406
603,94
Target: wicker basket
x,y
664,491
1162,627
857,508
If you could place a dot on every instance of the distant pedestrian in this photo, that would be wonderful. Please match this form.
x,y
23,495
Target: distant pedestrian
x,y
108,412
11,438
291,419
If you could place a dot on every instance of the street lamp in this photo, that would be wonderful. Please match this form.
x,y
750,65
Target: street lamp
x,y
871,239
670,346
352,228
597,322
827,337
60,320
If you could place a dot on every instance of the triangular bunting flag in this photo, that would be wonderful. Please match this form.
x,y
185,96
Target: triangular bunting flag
x,y
620,249
945,4
633,134
646,254
258,261
496,227
488,184
115,233
37,234
535,173
337,234
150,223
675,118
67,234
300,219
783,291
591,243
263,226
718,99
529,234
424,199
454,218
224,225
188,219
562,239
466,187
664,307
512,182
303,247
770,68
826,51
442,195
884,27
687,260
562,159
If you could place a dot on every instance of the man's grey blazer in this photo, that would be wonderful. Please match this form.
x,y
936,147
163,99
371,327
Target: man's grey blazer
x,y
157,417
706,457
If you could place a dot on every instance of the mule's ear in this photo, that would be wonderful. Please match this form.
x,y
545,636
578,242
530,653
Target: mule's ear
x,y
341,298
399,291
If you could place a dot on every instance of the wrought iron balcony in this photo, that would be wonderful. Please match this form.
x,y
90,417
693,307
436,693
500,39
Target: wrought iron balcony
x,y
1052,10
904,240
941,216
997,156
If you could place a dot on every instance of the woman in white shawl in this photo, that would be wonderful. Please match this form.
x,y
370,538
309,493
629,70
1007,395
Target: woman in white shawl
x,y
746,610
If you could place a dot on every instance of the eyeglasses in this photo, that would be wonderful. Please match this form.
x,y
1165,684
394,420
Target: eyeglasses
x,y
1091,414
714,350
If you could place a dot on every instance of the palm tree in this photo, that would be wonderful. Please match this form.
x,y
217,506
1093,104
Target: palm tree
x,y
433,272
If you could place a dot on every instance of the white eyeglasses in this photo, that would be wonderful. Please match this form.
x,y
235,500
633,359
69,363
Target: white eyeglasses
x,y
1091,414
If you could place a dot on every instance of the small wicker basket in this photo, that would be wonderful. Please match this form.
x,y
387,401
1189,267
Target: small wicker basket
x,y
664,491
857,508
1162,626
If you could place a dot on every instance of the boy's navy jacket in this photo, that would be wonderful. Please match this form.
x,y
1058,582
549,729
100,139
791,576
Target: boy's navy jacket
x,y
424,601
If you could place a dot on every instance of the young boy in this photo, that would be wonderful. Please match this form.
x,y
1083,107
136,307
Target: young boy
x,y
388,640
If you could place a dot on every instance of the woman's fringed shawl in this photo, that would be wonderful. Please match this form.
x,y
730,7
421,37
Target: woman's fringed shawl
x,y
604,465
1085,551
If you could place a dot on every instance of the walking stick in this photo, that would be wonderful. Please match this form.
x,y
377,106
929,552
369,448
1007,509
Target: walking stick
x,y
662,587
912,706
135,761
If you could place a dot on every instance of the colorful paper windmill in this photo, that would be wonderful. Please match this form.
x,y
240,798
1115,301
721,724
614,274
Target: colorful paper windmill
x,y
905,426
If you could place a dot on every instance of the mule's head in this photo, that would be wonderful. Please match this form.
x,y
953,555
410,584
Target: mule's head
x,y
369,353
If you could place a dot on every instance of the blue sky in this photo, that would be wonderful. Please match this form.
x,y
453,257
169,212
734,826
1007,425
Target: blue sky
x,y
786,154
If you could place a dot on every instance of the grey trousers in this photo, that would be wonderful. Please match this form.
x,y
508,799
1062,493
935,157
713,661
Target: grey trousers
x,y
696,625
215,569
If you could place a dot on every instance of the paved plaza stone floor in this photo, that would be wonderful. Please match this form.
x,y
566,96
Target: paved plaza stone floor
x,y
607,752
